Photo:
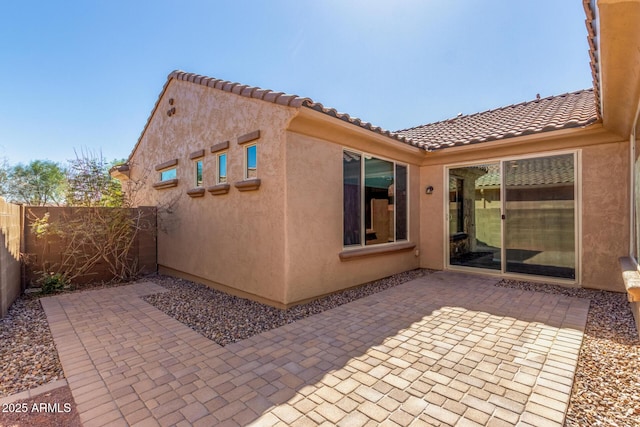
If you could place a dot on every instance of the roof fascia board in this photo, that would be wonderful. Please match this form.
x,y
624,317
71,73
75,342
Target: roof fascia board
x,y
277,98
317,124
593,38
619,62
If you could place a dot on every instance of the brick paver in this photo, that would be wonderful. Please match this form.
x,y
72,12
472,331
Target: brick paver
x,y
447,348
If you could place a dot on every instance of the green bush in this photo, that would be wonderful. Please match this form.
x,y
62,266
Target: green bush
x,y
52,283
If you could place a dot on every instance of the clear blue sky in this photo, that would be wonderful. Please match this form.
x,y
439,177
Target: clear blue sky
x,y
86,74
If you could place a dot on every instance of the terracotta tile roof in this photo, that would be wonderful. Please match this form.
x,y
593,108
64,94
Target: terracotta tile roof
x,y
577,109
282,99
592,38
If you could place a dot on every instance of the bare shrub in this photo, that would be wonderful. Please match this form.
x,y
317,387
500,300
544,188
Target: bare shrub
x,y
93,239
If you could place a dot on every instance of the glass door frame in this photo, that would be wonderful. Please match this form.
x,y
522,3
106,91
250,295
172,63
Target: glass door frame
x,y
577,202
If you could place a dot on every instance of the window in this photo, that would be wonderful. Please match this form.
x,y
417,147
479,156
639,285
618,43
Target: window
x,y
374,200
168,174
198,173
251,162
221,171
402,229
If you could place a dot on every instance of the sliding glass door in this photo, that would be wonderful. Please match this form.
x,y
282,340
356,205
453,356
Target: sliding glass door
x,y
515,216
475,237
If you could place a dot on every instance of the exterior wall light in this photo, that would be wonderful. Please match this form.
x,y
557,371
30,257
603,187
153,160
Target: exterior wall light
x,y
429,190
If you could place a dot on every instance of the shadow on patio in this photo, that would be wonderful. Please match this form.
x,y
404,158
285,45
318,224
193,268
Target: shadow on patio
x,y
443,349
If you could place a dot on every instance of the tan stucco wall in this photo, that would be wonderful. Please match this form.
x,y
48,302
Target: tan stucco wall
x,y
605,214
233,240
282,242
604,193
314,213
432,211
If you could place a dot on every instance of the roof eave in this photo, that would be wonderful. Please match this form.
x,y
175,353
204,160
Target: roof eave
x,y
527,132
593,30
120,172
332,112
569,138
267,95
619,63
321,120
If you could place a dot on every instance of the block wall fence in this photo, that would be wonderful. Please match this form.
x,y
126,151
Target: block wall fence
x,y
10,241
43,253
24,257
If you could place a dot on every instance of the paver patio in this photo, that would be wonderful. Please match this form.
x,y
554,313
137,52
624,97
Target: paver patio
x,y
444,349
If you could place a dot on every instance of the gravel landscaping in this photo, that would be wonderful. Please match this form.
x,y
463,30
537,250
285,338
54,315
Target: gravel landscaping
x,y
28,357
225,319
605,390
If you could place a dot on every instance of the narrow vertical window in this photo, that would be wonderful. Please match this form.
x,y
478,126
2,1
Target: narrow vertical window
x,y
221,173
198,173
400,197
351,167
251,161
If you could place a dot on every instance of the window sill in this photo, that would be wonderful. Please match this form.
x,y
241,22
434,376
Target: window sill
x,y
196,192
351,254
219,189
166,184
248,185
631,279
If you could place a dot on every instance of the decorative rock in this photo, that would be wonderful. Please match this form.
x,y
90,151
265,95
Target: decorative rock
x,y
28,357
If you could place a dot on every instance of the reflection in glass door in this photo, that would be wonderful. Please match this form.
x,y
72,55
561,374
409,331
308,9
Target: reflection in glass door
x,y
474,216
515,216
540,216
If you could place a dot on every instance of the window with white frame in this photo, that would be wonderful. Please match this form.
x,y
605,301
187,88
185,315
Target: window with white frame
x,y
198,172
251,161
221,168
168,174
375,200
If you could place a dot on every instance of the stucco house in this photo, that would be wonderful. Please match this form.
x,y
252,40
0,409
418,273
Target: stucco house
x,y
278,198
